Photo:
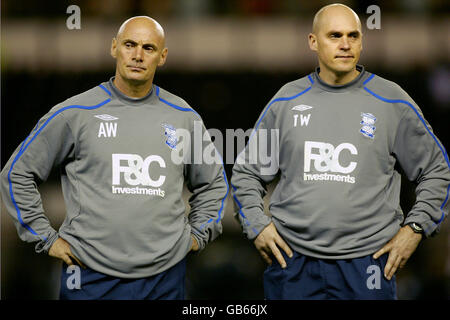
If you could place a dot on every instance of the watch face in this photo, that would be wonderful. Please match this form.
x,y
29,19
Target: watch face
x,y
416,227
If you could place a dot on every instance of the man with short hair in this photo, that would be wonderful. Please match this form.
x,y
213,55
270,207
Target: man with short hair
x,y
125,224
336,225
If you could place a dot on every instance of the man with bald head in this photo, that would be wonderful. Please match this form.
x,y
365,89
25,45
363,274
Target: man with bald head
x,y
336,229
125,224
137,61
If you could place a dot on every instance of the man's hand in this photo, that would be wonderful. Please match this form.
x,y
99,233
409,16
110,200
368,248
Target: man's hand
x,y
194,245
61,249
266,242
400,248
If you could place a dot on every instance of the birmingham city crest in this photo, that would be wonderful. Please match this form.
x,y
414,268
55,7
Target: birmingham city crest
x,y
171,136
368,125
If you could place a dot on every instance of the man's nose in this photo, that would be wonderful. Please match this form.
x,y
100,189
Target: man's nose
x,y
138,53
344,44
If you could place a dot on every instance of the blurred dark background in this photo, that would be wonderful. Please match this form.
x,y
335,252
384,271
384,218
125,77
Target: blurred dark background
x,y
226,59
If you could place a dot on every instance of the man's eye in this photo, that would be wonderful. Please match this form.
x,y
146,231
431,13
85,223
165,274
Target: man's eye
x,y
128,45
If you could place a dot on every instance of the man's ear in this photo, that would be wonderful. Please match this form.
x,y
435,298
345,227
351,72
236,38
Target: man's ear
x,y
312,40
114,48
163,58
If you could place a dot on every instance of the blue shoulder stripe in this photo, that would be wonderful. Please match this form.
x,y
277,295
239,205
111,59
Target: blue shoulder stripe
x,y
444,152
106,90
253,133
441,147
223,167
369,78
174,105
276,100
24,147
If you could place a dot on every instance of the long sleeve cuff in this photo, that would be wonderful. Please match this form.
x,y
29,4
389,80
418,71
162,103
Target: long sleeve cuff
x,y
44,246
254,224
200,241
430,228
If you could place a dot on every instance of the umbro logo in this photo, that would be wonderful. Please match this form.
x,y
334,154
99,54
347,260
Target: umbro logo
x,y
304,119
301,107
106,117
107,129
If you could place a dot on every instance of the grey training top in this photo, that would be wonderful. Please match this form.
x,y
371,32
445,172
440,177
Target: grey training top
x,y
338,146
123,193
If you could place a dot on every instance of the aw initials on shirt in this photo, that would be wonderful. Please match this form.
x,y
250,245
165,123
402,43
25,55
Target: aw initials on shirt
x,y
107,129
304,120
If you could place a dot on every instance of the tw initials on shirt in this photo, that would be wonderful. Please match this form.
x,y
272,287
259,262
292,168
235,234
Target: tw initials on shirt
x,y
107,129
304,120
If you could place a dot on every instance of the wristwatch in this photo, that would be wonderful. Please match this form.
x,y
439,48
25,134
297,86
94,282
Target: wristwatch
x,y
416,227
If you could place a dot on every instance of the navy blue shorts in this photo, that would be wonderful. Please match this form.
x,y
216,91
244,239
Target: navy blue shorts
x,y
86,284
320,279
